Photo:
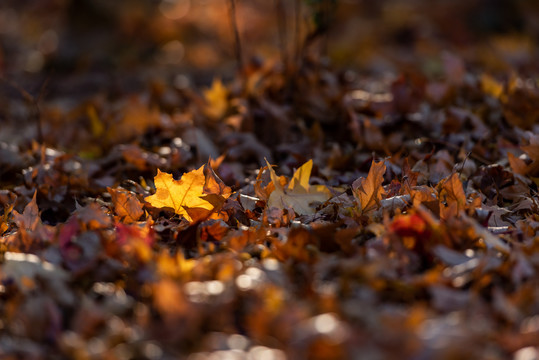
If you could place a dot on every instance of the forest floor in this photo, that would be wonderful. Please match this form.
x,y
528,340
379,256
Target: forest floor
x,y
378,201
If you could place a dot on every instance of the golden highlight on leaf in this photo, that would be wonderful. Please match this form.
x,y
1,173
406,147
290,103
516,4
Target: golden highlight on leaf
x,y
195,196
369,191
216,100
298,195
179,194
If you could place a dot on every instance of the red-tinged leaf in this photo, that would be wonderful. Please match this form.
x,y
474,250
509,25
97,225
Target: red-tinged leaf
x,y
127,233
136,239
369,191
410,225
68,231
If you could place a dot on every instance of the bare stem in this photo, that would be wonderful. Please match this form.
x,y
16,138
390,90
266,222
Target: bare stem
x,y
281,21
297,32
235,30
33,104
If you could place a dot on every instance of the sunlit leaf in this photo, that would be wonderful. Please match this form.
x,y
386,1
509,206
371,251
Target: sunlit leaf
x,y
195,196
216,99
298,195
369,191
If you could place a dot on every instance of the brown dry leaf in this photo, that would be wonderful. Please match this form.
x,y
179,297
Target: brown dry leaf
x,y
517,165
29,219
452,193
520,107
298,195
216,189
490,240
126,205
533,152
369,191
94,216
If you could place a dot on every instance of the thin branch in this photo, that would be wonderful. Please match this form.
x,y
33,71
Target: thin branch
x,y
282,28
297,32
33,102
235,30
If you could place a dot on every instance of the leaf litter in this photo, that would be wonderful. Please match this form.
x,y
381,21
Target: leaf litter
x,y
404,222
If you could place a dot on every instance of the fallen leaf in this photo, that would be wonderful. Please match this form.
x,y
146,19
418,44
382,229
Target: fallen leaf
x,y
29,219
126,205
369,191
491,241
195,196
298,195
216,100
517,164
177,194
452,194
491,86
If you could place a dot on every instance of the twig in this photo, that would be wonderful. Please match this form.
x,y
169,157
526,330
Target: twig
x,y
297,33
235,30
464,163
282,28
31,101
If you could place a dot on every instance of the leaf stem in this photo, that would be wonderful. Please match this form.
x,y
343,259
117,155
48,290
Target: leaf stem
x,y
237,41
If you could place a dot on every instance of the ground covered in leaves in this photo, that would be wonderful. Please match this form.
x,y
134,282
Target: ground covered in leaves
x,y
291,212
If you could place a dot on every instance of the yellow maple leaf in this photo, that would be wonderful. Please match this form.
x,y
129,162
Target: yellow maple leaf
x,y
491,86
181,195
216,100
298,195
369,191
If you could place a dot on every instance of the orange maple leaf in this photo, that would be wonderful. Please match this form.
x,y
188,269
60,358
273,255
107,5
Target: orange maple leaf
x,y
126,205
369,191
195,196
452,193
298,195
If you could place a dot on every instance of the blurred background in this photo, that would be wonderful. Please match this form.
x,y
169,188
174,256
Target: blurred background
x,y
65,37
84,47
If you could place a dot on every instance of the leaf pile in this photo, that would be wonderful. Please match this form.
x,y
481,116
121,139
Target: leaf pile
x,y
278,217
